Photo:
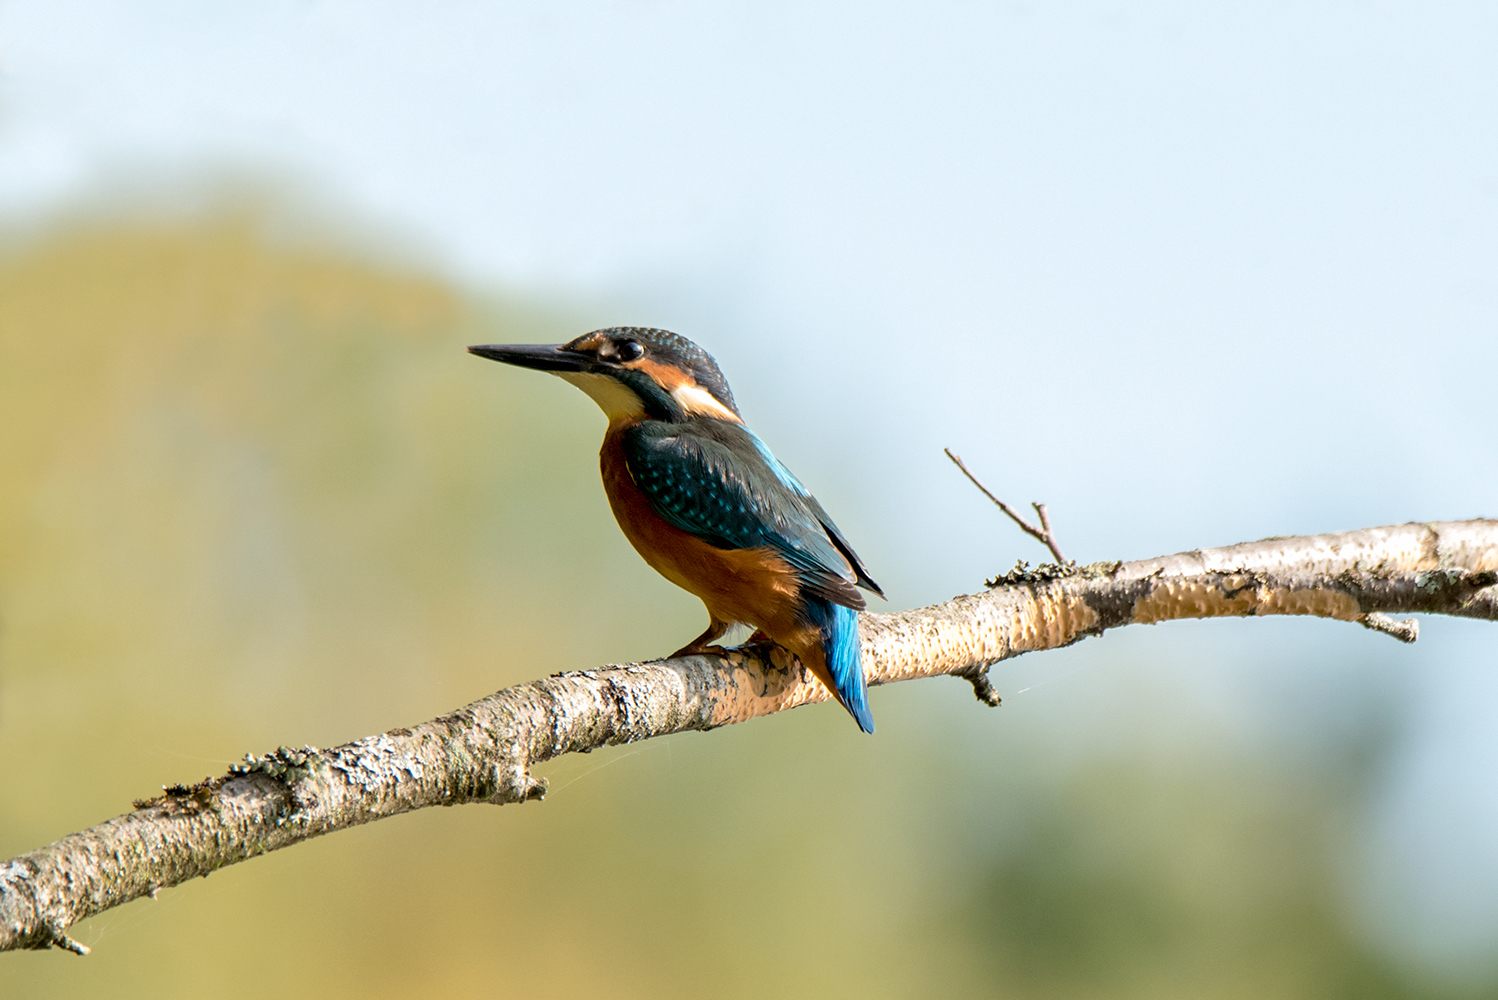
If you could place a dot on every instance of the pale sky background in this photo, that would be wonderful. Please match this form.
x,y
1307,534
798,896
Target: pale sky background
x,y
1192,273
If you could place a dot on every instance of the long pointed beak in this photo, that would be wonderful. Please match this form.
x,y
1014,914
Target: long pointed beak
x,y
542,357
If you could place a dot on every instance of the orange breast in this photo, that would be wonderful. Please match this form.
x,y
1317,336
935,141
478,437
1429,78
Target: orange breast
x,y
753,586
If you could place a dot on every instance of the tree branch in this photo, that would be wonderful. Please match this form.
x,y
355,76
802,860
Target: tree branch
x,y
485,751
1042,534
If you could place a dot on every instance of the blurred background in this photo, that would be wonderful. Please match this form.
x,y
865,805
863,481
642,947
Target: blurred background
x,y
1191,274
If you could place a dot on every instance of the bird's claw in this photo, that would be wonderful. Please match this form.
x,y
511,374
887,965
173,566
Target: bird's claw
x,y
696,649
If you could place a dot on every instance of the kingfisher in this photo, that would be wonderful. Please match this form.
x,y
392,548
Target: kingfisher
x,y
703,500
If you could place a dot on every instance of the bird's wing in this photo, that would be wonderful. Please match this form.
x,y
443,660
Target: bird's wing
x,y
705,482
789,479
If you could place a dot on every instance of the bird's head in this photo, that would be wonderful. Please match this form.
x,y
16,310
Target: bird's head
x,y
631,372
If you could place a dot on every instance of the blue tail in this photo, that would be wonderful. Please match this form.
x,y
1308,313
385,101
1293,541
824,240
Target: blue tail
x,y
839,627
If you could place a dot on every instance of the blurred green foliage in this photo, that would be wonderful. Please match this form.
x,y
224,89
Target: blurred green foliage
x,y
252,492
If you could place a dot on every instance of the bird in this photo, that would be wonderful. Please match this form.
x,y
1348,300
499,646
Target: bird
x,y
709,507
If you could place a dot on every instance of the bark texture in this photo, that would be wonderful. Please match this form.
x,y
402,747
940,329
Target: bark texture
x,y
484,752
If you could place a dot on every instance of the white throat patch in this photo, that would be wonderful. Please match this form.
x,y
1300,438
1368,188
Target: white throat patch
x,y
616,401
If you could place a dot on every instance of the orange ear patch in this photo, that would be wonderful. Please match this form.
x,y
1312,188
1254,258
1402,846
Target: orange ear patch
x,y
689,395
668,377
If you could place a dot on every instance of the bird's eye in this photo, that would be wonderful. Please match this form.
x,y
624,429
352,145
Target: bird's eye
x,y
630,350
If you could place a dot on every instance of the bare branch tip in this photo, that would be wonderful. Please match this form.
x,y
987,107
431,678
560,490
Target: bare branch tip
x,y
61,940
982,688
1047,535
1405,631
1042,534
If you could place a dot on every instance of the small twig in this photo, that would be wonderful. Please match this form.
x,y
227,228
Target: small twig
x,y
982,686
61,940
1042,534
1405,631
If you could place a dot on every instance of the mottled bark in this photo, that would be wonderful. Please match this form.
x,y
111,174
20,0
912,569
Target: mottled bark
x,y
485,751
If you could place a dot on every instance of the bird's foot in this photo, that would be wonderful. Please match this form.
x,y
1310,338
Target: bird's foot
x,y
700,648
759,640
697,649
703,644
